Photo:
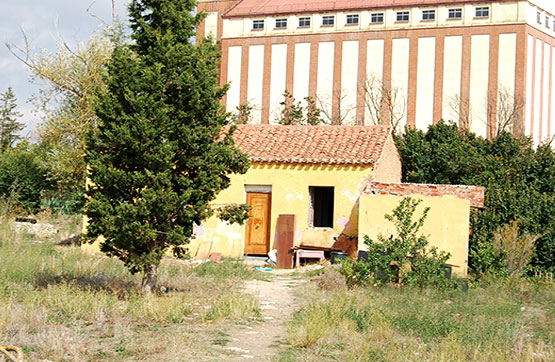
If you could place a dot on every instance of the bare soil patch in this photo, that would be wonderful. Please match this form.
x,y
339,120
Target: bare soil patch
x,y
261,340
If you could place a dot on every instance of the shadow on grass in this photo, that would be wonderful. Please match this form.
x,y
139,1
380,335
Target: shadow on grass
x,y
118,286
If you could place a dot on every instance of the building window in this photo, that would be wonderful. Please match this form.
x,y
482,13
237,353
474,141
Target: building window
x,y
539,17
281,23
304,22
482,12
428,14
455,14
328,20
377,18
547,21
352,19
320,213
403,16
257,24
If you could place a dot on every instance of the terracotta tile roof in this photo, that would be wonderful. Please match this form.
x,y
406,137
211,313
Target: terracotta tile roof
x,y
246,8
347,145
475,194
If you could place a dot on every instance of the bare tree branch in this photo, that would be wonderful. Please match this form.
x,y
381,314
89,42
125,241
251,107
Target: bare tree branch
x,y
385,104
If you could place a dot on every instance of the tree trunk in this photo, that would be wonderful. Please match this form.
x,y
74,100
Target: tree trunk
x,y
150,278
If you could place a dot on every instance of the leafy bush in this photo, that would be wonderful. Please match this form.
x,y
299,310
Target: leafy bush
x,y
22,177
518,180
403,257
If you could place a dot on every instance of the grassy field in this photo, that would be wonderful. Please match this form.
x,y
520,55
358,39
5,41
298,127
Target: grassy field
x,y
495,321
58,303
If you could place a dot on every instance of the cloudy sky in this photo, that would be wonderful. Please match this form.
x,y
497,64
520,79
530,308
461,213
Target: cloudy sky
x,y
46,23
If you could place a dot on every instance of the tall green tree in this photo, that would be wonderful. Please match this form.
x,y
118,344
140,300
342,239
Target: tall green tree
x,y
9,126
161,152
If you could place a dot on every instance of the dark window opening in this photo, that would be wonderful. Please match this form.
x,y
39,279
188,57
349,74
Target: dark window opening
x,y
482,12
304,22
352,19
281,23
321,207
257,24
455,14
328,20
377,18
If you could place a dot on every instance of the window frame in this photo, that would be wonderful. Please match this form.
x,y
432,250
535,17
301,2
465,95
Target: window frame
x,y
352,16
402,14
482,9
305,18
326,18
454,12
325,216
547,22
256,24
429,12
280,20
372,15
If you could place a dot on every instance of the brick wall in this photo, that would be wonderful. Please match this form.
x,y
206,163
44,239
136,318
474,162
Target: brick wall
x,y
475,194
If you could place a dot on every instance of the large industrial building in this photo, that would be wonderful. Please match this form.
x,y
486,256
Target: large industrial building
x,y
479,63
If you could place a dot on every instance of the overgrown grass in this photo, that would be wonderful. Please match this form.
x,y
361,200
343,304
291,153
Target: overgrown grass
x,y
59,303
498,321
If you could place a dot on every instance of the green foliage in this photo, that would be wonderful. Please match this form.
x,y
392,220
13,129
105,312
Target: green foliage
x,y
159,156
293,113
518,180
9,126
403,256
360,273
243,114
68,80
229,268
67,202
234,213
22,177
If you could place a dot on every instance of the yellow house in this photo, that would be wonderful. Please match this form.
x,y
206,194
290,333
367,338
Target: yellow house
x,y
314,172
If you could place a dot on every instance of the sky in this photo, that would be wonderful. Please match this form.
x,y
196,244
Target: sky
x,y
46,23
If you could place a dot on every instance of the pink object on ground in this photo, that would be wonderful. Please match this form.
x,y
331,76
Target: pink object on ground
x,y
302,253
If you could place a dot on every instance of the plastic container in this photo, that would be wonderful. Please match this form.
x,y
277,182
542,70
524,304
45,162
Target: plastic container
x,y
337,256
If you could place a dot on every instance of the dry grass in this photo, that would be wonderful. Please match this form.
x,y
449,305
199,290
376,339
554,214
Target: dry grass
x,y
61,304
498,321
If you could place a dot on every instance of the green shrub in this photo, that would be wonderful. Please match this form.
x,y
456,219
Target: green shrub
x,y
22,177
404,257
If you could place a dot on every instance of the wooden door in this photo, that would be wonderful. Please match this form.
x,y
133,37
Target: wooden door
x,y
257,230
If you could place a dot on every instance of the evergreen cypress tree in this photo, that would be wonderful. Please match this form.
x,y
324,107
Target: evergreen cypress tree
x,y
9,126
159,155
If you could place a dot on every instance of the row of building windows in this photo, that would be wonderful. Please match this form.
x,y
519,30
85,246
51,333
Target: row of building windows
x,y
377,18
547,20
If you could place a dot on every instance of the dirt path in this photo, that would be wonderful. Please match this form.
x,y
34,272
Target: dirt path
x,y
260,341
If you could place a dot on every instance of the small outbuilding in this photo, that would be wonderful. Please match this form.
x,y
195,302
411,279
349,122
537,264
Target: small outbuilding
x,y
316,173
447,225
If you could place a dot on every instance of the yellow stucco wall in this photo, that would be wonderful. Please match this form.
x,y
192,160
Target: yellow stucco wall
x,y
447,224
290,195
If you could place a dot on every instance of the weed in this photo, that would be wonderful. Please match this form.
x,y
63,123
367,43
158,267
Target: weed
x,y
330,279
229,268
63,304
502,320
